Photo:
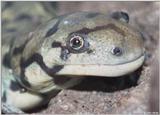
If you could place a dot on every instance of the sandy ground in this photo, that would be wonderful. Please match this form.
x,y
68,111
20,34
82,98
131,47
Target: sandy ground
x,y
127,94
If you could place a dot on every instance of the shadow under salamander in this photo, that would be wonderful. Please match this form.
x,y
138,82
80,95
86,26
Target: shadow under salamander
x,y
109,84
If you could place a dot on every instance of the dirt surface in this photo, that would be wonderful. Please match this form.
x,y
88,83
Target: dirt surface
x,y
126,94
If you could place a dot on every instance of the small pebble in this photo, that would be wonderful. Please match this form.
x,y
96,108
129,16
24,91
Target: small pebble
x,y
65,107
10,71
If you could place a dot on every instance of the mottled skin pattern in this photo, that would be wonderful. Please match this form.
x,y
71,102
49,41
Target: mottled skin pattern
x,y
46,51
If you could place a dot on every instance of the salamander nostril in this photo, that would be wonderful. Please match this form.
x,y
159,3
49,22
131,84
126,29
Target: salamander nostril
x,y
116,51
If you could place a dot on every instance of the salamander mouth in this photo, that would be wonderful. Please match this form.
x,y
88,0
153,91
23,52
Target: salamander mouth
x,y
102,70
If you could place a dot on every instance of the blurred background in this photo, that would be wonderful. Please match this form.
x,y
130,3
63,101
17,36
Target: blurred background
x,y
19,18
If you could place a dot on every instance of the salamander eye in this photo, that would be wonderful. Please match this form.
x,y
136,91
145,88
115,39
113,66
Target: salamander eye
x,y
76,42
116,51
